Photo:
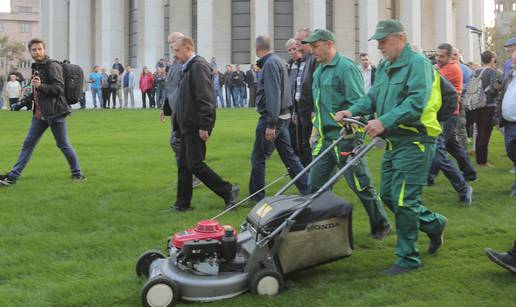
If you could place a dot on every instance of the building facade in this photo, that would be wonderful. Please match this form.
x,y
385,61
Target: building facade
x,y
20,25
505,11
94,32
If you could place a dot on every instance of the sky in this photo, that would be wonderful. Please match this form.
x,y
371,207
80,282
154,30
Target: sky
x,y
5,5
488,10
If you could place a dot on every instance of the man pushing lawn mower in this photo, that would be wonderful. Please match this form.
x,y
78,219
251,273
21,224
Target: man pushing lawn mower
x,y
405,102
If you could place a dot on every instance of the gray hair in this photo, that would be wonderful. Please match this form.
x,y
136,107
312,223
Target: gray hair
x,y
290,42
263,42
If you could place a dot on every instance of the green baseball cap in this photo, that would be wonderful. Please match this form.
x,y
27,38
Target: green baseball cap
x,y
320,35
386,27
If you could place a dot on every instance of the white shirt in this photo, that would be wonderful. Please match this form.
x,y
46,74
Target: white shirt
x,y
509,101
366,74
13,89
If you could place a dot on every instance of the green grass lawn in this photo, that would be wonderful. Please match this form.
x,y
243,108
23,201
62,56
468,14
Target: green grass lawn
x,y
64,243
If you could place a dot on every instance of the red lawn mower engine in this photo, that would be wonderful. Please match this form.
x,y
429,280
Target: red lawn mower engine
x,y
202,249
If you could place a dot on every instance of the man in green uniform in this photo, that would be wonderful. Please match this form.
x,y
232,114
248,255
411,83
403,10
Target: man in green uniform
x,y
337,84
405,104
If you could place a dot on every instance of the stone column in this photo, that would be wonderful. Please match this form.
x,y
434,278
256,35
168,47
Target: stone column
x,y
443,22
309,14
54,27
181,16
110,32
344,28
222,26
478,21
205,28
150,33
410,15
80,51
464,39
261,21
368,18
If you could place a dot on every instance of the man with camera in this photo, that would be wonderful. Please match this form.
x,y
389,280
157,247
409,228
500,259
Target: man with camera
x,y
50,110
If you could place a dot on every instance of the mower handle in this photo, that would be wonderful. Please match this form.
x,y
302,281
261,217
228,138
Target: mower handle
x,y
348,120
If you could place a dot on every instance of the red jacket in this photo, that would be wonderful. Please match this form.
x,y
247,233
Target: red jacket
x,y
146,82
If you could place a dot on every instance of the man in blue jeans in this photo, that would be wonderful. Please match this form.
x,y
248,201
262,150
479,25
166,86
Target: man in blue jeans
x,y
50,110
273,102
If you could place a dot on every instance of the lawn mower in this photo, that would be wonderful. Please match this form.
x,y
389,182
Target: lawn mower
x,y
281,234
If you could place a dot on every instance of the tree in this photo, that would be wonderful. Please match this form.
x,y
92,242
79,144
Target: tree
x,y
11,51
497,36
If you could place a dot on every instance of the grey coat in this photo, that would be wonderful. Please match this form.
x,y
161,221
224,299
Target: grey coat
x,y
273,94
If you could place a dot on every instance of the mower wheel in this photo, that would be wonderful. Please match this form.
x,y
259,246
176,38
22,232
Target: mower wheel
x,y
144,261
160,291
266,282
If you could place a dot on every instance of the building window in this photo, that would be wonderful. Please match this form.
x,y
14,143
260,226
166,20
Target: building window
x,y
194,22
241,31
329,15
283,25
133,33
25,27
1,27
23,9
166,15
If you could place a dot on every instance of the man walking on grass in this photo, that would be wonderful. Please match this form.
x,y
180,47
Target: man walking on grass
x,y
50,110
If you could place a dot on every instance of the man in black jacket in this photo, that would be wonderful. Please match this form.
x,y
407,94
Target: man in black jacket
x,y
194,119
50,110
273,102
303,97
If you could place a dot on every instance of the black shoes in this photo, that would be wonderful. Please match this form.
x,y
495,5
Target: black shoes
x,y
180,208
436,242
504,260
6,180
233,196
397,270
382,233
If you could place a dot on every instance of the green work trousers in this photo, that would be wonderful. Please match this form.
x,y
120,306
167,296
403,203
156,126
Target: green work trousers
x,y
358,178
404,170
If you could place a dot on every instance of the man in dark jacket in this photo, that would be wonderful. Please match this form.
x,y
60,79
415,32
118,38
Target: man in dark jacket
x,y
194,120
170,92
251,85
50,110
118,66
273,102
303,97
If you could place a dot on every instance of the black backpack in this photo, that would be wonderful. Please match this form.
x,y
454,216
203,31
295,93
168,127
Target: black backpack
x,y
73,77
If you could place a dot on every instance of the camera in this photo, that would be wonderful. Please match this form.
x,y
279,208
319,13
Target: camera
x,y
25,101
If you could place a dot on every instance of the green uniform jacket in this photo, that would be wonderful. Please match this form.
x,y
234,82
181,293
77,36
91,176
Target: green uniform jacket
x,y
400,97
336,86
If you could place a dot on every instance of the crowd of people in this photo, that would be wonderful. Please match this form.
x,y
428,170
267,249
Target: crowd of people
x,y
425,105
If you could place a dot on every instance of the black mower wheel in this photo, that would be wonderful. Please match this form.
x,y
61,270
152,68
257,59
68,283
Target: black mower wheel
x,y
144,261
266,282
160,291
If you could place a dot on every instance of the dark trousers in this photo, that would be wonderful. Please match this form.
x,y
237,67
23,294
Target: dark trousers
x,y
263,149
149,94
105,97
37,128
443,163
113,97
509,131
229,96
12,101
453,148
300,136
192,153
252,96
483,118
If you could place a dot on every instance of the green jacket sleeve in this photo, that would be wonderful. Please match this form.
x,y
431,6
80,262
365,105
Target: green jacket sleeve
x,y
353,84
364,105
418,88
